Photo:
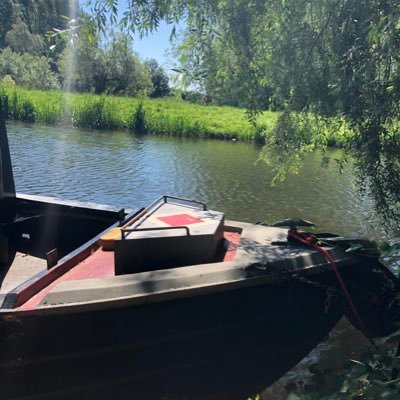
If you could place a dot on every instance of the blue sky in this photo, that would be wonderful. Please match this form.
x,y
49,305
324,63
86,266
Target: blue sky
x,y
155,45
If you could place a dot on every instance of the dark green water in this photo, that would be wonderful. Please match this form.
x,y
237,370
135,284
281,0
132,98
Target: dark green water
x,y
125,170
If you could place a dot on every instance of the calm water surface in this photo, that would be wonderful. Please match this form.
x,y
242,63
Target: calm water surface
x,y
125,170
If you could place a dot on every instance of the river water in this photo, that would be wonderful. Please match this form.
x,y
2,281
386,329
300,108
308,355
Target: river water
x,y
126,170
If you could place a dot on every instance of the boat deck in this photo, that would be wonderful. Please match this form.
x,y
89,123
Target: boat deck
x,y
100,264
257,254
23,267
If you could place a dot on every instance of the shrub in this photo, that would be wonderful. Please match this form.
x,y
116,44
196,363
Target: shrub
x,y
8,82
27,70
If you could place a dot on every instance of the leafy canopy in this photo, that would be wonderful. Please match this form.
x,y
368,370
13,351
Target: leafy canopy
x,y
27,70
105,67
320,57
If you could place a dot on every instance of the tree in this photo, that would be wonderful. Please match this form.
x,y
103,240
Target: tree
x,y
78,64
27,70
120,71
20,40
159,79
37,17
6,17
219,74
321,56
111,67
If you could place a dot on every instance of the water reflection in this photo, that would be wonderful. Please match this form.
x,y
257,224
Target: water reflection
x,y
126,170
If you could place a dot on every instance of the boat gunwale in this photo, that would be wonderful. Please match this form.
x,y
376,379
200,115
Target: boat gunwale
x,y
243,274
55,201
169,295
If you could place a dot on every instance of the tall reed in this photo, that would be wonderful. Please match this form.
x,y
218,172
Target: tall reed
x,y
96,112
166,116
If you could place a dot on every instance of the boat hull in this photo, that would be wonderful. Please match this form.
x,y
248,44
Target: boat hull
x,y
228,344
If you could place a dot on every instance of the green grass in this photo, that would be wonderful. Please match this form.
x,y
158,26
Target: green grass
x,y
167,116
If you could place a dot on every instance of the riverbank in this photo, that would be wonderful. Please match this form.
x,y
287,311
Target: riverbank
x,y
166,116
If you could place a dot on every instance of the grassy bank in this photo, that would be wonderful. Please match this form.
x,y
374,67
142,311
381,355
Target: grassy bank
x,y
166,116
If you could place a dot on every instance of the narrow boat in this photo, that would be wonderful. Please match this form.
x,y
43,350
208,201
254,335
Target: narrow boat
x,y
170,301
174,301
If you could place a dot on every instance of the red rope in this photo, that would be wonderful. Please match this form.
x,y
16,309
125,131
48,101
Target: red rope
x,y
310,240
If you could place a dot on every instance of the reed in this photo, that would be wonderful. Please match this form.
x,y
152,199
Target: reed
x,y
138,122
167,116
96,113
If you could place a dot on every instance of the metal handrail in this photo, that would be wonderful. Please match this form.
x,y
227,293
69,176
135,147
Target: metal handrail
x,y
144,211
164,228
166,197
149,210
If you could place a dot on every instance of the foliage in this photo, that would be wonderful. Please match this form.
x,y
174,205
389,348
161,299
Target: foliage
x,y
120,71
27,70
192,96
20,110
286,145
159,79
138,123
369,378
166,116
321,56
295,135
80,67
112,68
391,251
20,40
31,20
219,73
95,64
7,82
95,112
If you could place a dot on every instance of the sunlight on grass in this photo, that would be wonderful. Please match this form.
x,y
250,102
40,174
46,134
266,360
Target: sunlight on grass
x,y
167,116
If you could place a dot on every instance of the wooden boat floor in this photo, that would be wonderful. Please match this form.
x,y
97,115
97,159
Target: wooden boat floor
x,y
101,265
23,267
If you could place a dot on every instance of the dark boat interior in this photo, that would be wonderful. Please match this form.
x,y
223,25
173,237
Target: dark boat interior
x,y
44,231
40,227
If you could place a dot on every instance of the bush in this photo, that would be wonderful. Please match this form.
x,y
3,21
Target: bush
x,y
8,82
27,70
